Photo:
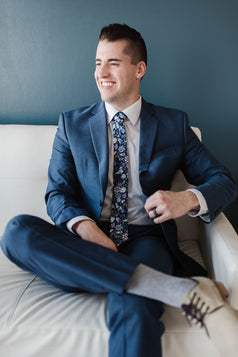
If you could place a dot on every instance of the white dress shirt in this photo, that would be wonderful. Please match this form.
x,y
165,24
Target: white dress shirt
x,y
136,211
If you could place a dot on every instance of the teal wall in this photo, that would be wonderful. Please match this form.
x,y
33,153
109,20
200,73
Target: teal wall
x,y
47,51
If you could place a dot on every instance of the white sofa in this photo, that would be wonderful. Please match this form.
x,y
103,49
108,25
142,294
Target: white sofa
x,y
37,319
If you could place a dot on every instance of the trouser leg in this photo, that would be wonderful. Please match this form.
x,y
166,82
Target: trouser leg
x,y
63,259
135,328
134,321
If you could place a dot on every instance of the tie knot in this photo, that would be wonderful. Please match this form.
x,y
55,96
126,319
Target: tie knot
x,y
119,117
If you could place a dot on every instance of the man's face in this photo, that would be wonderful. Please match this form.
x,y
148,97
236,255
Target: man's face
x,y
118,80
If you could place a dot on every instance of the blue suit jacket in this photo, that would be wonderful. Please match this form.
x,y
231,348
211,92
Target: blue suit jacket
x,y
78,168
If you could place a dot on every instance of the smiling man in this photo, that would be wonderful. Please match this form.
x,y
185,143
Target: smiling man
x,y
109,196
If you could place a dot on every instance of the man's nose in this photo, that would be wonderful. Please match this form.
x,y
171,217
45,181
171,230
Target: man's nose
x,y
104,70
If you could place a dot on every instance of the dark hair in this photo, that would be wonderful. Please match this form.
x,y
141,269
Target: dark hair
x,y
136,45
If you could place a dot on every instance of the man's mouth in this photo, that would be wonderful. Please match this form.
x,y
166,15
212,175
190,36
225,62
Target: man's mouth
x,y
106,84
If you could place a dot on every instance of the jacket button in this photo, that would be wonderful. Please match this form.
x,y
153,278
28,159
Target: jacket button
x,y
101,203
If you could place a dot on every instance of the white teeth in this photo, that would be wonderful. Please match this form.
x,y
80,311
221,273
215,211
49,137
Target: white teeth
x,y
107,84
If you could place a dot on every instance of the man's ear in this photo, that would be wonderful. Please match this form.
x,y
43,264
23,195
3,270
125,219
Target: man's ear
x,y
141,69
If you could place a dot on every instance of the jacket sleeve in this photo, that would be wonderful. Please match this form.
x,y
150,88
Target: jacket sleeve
x,y
63,194
211,178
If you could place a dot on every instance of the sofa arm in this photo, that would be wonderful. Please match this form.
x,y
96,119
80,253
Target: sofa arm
x,y
220,252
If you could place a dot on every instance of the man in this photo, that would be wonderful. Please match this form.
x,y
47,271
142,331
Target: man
x,y
109,193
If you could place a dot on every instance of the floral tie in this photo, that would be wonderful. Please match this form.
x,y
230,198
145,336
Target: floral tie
x,y
119,228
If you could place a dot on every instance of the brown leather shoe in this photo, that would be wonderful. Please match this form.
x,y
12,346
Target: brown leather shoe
x,y
206,305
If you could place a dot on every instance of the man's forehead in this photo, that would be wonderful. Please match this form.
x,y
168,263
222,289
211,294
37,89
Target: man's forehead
x,y
115,49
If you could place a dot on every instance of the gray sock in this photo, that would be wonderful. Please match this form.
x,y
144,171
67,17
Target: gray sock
x,y
153,284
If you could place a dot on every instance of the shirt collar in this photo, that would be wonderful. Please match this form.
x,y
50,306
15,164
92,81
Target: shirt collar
x,y
132,112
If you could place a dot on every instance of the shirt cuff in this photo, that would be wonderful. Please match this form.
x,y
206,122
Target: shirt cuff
x,y
74,220
203,212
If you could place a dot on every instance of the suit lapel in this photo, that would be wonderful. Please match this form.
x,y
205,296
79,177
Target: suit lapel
x,y
148,131
99,134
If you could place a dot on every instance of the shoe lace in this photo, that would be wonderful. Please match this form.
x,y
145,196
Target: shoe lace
x,y
196,311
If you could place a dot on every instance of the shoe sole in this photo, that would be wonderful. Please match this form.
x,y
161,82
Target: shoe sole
x,y
222,290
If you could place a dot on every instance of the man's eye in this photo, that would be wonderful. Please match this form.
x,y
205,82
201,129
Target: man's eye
x,y
114,63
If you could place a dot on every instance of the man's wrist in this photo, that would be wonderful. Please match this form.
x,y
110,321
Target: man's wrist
x,y
202,208
193,202
81,227
75,220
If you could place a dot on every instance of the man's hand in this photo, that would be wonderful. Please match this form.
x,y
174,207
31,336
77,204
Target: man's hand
x,y
169,205
88,230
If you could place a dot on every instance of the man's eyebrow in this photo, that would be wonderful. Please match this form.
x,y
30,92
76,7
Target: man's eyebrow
x,y
114,60
110,60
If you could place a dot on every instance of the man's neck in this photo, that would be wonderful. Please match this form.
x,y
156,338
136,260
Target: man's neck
x,y
132,112
117,109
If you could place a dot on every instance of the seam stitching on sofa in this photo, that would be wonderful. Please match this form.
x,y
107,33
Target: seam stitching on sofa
x,y
20,295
